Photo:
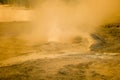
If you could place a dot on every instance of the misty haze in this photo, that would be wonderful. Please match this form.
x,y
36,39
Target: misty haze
x,y
59,39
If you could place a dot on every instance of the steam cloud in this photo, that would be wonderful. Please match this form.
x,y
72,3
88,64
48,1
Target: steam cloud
x,y
62,20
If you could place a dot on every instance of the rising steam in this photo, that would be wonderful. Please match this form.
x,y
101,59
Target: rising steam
x,y
62,20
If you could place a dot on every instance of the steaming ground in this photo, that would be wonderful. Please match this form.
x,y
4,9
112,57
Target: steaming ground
x,y
52,61
20,60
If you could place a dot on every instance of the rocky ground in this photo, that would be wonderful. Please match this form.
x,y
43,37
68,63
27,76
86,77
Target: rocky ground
x,y
77,66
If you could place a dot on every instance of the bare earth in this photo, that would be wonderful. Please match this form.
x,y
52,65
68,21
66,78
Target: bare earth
x,y
75,66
